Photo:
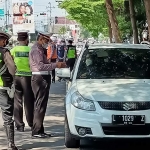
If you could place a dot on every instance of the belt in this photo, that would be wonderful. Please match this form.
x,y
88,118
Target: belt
x,y
4,88
42,73
23,73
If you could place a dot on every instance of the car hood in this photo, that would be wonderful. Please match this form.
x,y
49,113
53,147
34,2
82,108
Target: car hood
x,y
114,89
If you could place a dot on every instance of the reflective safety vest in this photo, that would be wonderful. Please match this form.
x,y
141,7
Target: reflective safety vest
x,y
21,59
6,79
49,52
71,52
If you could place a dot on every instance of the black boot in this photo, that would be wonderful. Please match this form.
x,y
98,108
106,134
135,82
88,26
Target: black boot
x,y
10,137
59,79
53,80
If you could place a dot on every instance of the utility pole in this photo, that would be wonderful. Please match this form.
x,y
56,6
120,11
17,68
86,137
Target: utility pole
x,y
6,15
50,15
59,2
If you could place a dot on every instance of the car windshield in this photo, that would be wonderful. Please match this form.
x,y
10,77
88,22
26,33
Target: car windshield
x,y
79,46
115,63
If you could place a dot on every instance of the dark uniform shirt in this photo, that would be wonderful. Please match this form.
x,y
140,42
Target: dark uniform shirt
x,y
38,60
10,63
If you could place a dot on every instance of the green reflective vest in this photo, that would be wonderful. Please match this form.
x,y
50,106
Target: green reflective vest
x,y
71,52
21,59
6,78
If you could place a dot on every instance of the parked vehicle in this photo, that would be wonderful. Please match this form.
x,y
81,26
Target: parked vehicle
x,y
79,49
108,93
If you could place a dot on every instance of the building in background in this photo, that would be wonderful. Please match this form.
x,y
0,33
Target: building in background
x,y
72,27
23,16
2,14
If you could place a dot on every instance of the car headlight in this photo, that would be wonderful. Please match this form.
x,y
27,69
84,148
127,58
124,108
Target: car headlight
x,y
79,102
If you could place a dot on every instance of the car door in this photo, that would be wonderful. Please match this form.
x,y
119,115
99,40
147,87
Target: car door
x,y
69,82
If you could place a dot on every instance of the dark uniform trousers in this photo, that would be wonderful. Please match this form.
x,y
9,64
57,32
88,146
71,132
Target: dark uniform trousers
x,y
40,86
53,71
23,92
70,63
7,107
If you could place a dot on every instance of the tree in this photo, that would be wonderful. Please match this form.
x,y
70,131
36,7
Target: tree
x,y
113,21
139,15
91,14
84,33
62,30
147,7
133,21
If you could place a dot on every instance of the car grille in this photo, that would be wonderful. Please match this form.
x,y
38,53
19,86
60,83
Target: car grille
x,y
125,106
126,130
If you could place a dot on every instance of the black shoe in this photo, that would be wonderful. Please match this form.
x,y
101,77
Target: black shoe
x,y
12,147
48,135
10,136
20,129
53,80
43,135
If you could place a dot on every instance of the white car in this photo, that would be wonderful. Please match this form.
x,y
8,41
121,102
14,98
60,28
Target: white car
x,y
79,49
108,94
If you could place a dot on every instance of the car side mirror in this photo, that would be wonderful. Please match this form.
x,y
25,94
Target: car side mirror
x,y
63,73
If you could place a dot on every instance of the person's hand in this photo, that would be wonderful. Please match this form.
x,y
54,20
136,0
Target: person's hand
x,y
61,65
49,60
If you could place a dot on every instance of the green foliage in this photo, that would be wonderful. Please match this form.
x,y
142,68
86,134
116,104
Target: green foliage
x,y
62,30
84,33
124,26
140,12
92,15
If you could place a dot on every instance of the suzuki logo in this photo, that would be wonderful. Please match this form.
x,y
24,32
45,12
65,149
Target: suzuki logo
x,y
128,106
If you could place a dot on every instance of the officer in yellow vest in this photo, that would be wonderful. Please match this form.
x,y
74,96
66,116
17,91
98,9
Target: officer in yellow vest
x,y
52,56
71,55
7,73
23,88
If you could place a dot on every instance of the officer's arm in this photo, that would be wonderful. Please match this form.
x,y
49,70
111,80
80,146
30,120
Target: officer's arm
x,y
12,51
39,61
10,63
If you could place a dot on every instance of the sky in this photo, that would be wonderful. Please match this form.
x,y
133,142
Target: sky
x,y
39,7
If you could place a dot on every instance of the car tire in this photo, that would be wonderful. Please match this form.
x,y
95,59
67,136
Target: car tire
x,y
70,142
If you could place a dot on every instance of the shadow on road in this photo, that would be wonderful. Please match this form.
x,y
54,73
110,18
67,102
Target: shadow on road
x,y
49,144
54,124
116,145
107,145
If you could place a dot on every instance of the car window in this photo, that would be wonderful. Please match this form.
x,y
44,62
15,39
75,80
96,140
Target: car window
x,y
72,73
115,63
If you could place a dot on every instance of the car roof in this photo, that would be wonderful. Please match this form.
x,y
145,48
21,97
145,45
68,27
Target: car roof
x,y
114,45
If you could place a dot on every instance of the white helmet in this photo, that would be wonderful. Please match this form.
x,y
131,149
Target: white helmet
x,y
54,39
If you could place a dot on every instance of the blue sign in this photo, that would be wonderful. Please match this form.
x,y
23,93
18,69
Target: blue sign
x,y
1,12
30,2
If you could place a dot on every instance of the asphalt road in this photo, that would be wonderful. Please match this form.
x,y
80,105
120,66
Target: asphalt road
x,y
54,123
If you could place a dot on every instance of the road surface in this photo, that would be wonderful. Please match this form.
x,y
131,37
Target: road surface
x,y
54,123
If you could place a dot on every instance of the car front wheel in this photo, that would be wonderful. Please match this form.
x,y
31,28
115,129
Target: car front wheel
x,y
70,142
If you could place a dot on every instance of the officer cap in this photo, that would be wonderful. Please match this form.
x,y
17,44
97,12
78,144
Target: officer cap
x,y
46,35
63,40
22,35
4,35
70,41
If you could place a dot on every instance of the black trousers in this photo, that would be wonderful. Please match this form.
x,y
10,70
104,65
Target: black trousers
x,y
7,107
53,71
70,63
60,60
40,86
23,93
